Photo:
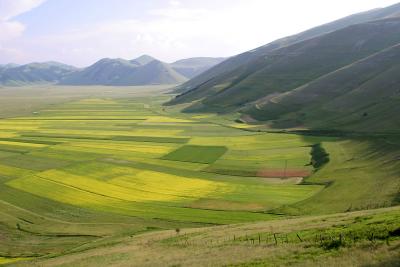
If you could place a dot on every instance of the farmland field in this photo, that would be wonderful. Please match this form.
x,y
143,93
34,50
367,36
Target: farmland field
x,y
89,169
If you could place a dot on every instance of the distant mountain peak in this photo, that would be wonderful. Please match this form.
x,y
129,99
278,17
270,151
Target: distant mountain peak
x,y
143,70
9,65
143,60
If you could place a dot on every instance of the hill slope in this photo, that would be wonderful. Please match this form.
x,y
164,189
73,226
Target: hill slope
x,y
363,96
34,73
144,70
156,72
342,80
142,60
225,75
120,72
192,67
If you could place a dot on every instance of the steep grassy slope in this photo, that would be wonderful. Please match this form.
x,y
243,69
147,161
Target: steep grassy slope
x,y
290,67
219,75
362,97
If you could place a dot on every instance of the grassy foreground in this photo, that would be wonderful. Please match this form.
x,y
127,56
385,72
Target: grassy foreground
x,y
81,173
364,238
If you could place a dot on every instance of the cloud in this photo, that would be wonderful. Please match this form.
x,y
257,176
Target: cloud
x,y
174,3
9,28
13,8
173,30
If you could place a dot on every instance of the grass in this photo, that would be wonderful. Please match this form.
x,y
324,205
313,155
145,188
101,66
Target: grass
x,y
197,154
254,244
69,182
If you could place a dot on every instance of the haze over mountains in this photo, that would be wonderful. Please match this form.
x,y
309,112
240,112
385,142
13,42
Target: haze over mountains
x,y
342,75
144,70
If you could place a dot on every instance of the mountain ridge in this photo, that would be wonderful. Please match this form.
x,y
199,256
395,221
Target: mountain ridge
x,y
214,75
254,88
107,71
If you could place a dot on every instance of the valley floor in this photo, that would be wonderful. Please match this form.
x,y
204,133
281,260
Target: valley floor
x,y
102,181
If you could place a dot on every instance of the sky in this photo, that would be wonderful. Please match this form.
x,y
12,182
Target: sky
x,y
80,32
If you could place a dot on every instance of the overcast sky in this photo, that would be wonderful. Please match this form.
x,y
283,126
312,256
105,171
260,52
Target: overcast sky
x,y
80,32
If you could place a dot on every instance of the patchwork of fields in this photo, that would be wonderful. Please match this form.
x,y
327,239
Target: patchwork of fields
x,y
90,172
95,167
119,156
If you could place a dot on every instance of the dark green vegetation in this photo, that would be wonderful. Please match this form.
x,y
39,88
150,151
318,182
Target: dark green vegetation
x,y
319,156
144,70
341,76
198,154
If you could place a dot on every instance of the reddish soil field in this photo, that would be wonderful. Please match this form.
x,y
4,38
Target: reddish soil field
x,y
279,173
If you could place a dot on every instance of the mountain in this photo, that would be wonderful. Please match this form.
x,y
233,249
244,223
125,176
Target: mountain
x,y
364,95
47,72
121,72
144,70
142,60
104,72
225,75
9,65
157,72
293,85
192,67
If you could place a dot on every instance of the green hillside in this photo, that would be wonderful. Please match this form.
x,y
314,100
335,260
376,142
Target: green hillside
x,y
363,96
345,80
290,67
229,68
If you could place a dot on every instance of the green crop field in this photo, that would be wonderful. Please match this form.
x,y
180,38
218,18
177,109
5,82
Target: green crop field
x,y
199,154
83,172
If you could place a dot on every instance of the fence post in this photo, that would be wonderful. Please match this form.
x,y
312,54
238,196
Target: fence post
x,y
299,237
